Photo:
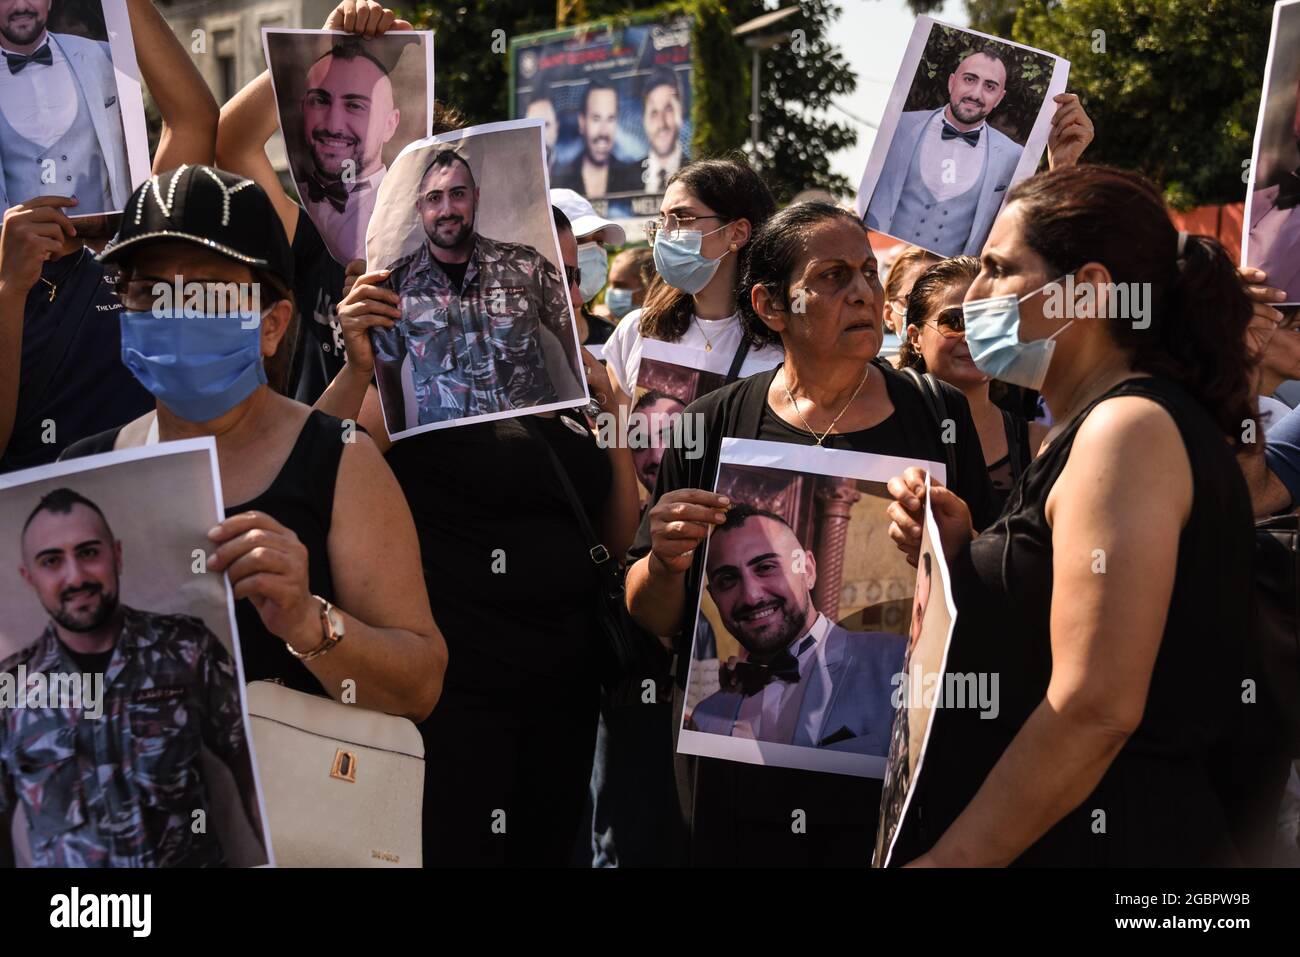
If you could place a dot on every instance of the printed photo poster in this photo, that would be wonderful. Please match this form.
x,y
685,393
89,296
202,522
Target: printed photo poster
x,y
71,109
465,228
616,101
1270,237
121,683
802,623
348,105
968,118
934,614
670,378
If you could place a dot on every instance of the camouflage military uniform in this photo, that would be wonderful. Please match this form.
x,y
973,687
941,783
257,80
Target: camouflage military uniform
x,y
479,349
121,790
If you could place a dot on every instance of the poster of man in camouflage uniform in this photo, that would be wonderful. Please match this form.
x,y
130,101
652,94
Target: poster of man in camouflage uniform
x,y
486,329
111,715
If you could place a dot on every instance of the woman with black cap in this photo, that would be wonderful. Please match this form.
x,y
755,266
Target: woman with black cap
x,y
322,522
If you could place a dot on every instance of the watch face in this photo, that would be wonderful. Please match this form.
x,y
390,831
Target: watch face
x,y
336,623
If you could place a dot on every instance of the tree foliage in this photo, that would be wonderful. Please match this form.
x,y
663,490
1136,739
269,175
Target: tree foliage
x,y
798,78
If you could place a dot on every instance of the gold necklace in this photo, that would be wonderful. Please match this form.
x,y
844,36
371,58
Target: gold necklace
x,y
822,437
54,288
708,343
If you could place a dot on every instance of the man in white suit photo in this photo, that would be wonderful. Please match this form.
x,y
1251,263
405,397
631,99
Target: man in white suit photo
x,y
947,169
1274,239
805,681
60,119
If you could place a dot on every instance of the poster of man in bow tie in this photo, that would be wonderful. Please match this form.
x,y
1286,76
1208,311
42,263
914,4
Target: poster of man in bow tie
x,y
808,609
1271,238
338,97
968,117
71,111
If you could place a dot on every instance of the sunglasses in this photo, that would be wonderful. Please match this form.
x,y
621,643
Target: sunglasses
x,y
574,275
950,323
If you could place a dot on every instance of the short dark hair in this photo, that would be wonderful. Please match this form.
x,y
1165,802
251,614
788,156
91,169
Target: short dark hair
x,y
741,513
988,50
661,76
562,224
445,157
351,48
597,84
652,396
61,502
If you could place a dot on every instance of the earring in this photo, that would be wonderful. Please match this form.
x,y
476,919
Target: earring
x,y
734,247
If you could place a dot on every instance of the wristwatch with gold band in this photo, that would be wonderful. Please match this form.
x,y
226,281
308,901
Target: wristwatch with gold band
x,y
331,623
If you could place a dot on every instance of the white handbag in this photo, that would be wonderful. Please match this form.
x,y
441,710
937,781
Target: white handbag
x,y
343,786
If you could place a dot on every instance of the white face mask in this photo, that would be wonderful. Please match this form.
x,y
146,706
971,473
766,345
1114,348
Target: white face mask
x,y
993,336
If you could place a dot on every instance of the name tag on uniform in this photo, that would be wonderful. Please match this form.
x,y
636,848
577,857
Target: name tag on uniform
x,y
158,694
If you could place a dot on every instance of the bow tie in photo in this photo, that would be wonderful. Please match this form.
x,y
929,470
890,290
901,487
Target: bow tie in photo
x,y
1288,191
749,677
950,132
17,62
336,191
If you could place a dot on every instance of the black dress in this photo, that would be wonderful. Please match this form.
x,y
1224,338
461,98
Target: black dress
x,y
301,499
508,749
1160,803
740,814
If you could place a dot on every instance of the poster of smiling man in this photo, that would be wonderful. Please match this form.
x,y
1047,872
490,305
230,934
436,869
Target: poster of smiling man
x,y
465,229
968,117
71,111
124,736
348,105
1270,239
804,614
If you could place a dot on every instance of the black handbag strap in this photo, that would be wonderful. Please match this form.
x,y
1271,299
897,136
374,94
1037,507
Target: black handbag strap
x,y
69,316
595,548
932,393
738,360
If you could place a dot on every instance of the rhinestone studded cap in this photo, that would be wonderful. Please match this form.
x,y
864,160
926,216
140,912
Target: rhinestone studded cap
x,y
220,211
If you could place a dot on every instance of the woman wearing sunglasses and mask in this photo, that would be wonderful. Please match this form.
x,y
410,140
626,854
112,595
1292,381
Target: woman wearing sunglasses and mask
x,y
700,242
813,288
322,554
1112,596
935,342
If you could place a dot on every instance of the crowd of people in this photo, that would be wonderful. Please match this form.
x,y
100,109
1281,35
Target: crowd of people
x,y
468,594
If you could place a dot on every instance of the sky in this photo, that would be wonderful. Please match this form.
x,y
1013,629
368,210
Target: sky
x,y
872,35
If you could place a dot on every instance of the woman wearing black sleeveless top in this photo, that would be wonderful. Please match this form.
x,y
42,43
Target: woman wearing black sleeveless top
x,y
934,342
322,518
1111,598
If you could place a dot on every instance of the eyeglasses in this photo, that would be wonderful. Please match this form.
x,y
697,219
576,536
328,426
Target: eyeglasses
x,y
574,275
951,323
671,225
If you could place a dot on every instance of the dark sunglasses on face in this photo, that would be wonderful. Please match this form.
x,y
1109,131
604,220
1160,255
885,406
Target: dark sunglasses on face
x,y
950,323
574,275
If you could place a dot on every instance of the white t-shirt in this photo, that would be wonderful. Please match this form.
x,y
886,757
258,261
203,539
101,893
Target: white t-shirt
x,y
622,353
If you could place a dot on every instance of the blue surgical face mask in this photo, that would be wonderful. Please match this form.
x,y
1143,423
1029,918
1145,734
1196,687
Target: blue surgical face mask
x,y
618,301
993,336
680,262
595,270
200,368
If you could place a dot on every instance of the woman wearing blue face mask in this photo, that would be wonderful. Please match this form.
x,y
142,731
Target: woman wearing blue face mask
x,y
1112,595
321,553
699,243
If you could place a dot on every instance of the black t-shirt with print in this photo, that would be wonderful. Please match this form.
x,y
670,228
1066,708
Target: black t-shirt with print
x,y
317,289
86,389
